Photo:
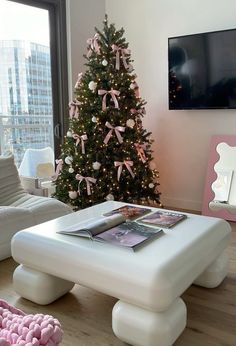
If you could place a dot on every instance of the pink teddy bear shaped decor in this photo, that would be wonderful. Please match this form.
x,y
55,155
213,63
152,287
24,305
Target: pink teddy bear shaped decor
x,y
19,329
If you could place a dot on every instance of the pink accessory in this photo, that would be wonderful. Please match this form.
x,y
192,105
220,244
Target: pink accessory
x,y
58,169
94,45
74,109
128,165
140,111
88,181
80,75
140,149
137,92
123,51
113,94
117,130
19,329
82,139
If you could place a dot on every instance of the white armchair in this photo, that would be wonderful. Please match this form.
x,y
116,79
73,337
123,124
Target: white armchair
x,y
19,209
37,163
36,170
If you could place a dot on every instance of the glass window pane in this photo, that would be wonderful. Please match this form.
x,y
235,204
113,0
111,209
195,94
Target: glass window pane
x,y
26,111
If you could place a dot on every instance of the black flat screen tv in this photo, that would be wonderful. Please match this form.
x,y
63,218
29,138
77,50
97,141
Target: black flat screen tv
x,y
202,70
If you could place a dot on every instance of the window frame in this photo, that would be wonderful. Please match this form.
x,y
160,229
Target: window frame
x,y
59,63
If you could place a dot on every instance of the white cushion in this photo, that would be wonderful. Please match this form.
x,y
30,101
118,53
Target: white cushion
x,y
42,208
18,209
12,220
10,186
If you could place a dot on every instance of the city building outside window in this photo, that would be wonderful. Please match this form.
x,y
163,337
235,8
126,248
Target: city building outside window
x,y
33,76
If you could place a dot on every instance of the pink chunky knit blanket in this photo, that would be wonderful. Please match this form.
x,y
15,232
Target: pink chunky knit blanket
x,y
19,329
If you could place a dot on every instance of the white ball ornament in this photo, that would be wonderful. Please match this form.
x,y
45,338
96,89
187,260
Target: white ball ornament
x,y
71,170
92,85
69,133
132,86
104,62
110,197
151,185
73,194
130,123
96,165
68,160
94,119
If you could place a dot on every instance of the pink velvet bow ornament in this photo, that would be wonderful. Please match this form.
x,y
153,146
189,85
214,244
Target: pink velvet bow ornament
x,y
94,45
59,164
117,130
88,180
123,51
140,149
140,111
120,165
77,84
113,94
74,109
80,139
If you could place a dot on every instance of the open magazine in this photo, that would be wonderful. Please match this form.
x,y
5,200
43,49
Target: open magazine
x,y
114,230
162,218
130,212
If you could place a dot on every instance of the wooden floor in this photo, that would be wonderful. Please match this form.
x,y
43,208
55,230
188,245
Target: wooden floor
x,y
86,315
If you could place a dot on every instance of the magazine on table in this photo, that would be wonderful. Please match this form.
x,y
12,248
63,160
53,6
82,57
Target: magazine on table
x,y
162,218
114,230
130,212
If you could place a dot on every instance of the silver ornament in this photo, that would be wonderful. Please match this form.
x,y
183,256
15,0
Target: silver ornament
x,y
73,194
151,185
110,197
71,170
96,165
130,123
68,160
94,119
92,85
69,133
104,62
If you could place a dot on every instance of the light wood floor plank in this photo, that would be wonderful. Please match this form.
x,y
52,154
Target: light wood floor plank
x,y
86,314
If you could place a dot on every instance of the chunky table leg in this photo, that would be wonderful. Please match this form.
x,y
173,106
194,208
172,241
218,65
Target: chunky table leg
x,y
215,273
140,327
39,287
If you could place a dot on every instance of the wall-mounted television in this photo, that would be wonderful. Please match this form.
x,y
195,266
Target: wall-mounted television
x,y
202,70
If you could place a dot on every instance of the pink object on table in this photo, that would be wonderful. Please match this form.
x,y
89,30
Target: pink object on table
x,y
19,329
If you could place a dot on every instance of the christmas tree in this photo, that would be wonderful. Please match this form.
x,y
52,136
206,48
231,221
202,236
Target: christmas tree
x,y
107,153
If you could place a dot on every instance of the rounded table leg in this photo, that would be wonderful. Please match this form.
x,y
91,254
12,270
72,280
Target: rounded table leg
x,y
215,273
39,287
140,327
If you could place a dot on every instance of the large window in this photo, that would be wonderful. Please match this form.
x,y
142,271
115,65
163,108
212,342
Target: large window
x,y
33,75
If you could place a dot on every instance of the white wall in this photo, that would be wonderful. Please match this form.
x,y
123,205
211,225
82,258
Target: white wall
x,y
82,17
182,138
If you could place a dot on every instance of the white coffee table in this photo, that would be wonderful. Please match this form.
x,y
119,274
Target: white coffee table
x,y
148,282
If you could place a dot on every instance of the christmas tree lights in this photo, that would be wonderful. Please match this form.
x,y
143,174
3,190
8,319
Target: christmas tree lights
x,y
106,154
